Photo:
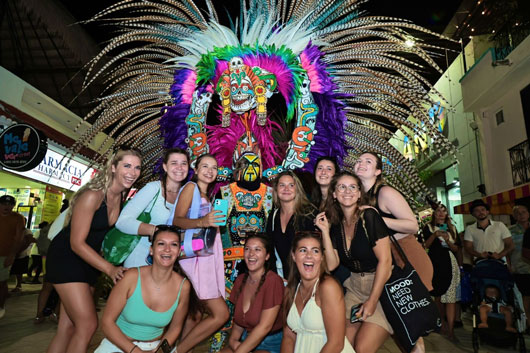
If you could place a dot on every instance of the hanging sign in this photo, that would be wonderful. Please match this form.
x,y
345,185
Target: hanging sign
x,y
22,147
59,171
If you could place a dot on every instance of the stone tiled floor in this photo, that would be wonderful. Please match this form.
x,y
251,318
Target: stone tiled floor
x,y
18,334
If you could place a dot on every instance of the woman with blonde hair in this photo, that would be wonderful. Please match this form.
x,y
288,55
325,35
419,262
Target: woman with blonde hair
x,y
74,262
292,212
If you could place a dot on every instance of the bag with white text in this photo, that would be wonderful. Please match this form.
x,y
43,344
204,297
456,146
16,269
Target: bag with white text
x,y
407,304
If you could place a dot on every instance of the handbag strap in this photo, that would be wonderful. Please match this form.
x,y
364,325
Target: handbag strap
x,y
154,201
195,208
399,249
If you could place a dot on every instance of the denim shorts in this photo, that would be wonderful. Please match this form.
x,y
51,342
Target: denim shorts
x,y
271,342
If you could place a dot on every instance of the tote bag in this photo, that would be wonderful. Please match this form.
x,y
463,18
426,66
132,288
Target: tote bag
x,y
117,245
407,304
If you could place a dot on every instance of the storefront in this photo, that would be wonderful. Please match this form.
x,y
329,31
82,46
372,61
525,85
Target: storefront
x,y
502,202
39,192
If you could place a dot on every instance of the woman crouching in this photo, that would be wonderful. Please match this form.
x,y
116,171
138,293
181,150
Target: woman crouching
x,y
257,296
314,302
148,299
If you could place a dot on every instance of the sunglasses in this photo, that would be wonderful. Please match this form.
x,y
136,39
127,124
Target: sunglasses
x,y
125,147
164,228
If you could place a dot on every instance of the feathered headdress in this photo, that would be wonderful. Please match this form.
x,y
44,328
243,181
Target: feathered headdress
x,y
347,83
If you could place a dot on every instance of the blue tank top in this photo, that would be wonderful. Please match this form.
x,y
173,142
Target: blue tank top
x,y
141,323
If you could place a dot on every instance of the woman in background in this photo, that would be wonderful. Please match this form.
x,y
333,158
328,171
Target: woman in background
x,y
325,168
74,262
292,212
158,197
440,237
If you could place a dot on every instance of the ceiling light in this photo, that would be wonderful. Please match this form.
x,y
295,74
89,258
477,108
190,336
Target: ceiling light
x,y
483,12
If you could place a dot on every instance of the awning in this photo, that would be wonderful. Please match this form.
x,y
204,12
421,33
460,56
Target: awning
x,y
501,203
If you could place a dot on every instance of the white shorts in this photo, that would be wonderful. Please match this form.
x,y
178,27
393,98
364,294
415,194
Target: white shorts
x,y
107,346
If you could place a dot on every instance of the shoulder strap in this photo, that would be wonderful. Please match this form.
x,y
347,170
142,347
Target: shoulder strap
x,y
180,289
155,199
195,202
315,288
274,218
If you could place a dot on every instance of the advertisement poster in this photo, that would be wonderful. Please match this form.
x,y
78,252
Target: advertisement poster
x,y
52,204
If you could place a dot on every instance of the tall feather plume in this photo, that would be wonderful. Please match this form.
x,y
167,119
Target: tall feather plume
x,y
366,82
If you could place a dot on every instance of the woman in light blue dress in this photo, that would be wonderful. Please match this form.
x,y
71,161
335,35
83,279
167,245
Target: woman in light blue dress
x,y
159,198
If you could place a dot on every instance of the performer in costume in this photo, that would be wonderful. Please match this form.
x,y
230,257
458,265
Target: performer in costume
x,y
250,202
348,80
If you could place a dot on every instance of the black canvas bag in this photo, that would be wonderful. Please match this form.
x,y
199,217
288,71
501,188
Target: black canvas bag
x,y
407,304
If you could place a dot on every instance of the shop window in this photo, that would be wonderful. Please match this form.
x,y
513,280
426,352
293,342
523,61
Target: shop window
x,y
499,117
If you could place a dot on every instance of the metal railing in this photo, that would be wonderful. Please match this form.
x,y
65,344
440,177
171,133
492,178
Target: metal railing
x,y
520,162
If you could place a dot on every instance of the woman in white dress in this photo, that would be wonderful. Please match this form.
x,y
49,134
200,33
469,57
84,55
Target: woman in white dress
x,y
314,302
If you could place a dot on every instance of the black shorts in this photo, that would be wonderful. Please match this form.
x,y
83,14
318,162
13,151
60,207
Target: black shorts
x,y
523,283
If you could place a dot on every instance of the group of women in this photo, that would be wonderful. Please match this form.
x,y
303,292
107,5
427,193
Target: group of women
x,y
287,300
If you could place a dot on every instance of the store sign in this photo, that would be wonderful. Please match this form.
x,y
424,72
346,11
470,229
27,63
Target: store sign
x,y
56,170
23,147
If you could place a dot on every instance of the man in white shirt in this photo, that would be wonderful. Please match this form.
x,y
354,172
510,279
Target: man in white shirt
x,y
485,238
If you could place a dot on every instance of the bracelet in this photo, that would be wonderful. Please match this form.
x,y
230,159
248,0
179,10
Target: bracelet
x,y
133,348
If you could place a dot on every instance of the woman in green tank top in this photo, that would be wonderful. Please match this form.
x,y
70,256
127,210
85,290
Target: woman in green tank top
x,y
147,300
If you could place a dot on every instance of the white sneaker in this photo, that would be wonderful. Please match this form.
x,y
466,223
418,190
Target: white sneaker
x,y
2,312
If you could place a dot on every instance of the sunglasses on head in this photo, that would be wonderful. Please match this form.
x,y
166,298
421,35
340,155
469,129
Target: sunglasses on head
x,y
125,147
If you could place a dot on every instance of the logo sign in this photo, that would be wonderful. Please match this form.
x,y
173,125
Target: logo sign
x,y
22,147
63,172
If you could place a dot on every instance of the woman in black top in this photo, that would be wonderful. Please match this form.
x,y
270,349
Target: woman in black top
x,y
440,237
73,261
325,169
358,240
292,212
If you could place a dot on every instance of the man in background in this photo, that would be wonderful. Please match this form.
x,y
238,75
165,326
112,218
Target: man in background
x,y
486,239
11,233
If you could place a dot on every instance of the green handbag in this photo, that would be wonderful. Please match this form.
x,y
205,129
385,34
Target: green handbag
x,y
117,246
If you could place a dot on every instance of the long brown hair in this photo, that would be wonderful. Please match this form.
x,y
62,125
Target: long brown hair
x,y
165,160
451,229
369,197
332,207
195,306
103,179
294,275
302,206
316,193
267,245
194,178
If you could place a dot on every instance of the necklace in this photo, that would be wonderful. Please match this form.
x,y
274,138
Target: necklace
x,y
306,297
173,191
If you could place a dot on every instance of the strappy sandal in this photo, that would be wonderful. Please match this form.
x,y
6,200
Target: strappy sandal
x,y
38,320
